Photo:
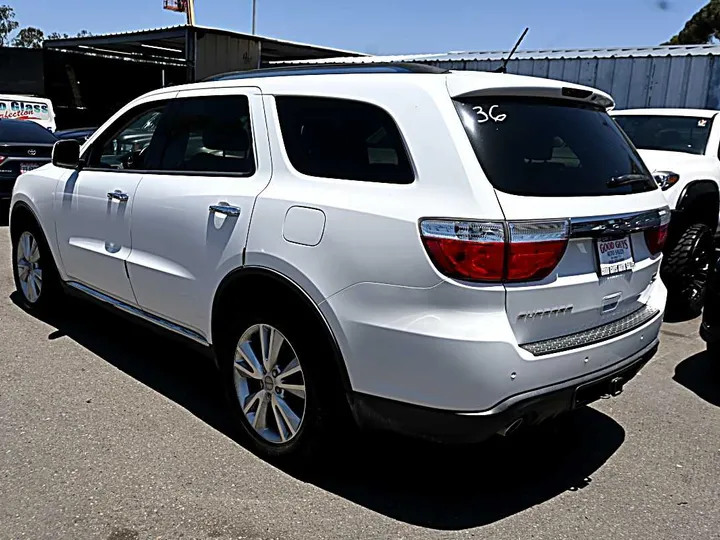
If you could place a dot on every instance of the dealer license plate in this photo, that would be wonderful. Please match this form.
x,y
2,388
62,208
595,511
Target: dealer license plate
x,y
615,255
27,167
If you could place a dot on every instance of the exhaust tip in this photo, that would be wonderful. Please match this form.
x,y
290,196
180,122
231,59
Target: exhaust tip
x,y
510,428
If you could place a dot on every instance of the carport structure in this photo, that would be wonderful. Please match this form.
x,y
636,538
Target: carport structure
x,y
90,77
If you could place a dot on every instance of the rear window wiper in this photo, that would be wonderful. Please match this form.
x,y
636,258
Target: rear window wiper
x,y
627,179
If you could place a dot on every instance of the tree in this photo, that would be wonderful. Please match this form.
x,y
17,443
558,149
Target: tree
x,y
30,38
703,27
8,24
58,35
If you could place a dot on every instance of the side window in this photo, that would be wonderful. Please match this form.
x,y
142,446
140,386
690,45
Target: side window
x,y
127,143
338,138
210,135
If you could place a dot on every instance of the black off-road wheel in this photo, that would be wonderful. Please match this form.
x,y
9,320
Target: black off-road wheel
x,y
685,271
36,277
274,366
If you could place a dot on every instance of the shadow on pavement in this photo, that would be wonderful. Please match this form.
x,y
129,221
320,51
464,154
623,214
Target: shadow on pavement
x,y
441,487
701,375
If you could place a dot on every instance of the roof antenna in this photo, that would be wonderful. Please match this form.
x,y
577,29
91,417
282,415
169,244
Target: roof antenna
x,y
503,67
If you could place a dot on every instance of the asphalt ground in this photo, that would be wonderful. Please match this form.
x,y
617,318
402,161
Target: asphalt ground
x,y
107,431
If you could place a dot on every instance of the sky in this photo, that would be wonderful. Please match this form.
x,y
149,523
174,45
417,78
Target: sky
x,y
389,26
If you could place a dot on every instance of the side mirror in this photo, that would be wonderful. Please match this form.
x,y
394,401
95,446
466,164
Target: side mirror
x,y
66,154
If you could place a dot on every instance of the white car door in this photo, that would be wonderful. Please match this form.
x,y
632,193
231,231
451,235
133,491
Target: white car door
x,y
94,204
192,210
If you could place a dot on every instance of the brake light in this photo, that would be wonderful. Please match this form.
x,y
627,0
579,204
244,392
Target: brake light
x,y
2,158
468,250
655,238
536,249
495,251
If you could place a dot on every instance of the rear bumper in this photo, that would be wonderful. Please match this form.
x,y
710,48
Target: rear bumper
x,y
527,408
456,351
7,182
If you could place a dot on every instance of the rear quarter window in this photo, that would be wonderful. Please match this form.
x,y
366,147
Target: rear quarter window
x,y
554,148
343,139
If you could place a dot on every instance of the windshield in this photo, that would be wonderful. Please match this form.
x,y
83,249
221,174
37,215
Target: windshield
x,y
15,131
552,148
673,133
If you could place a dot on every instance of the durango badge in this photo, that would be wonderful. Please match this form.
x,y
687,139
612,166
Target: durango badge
x,y
545,313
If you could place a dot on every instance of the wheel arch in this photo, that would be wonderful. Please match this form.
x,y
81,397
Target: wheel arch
x,y
254,279
22,209
699,202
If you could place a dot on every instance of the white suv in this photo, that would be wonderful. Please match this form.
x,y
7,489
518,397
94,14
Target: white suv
x,y
448,255
680,146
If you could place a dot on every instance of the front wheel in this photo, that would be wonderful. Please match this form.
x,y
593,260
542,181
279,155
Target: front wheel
x,y
34,270
686,268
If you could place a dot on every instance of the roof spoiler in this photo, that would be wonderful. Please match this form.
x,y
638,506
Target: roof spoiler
x,y
586,95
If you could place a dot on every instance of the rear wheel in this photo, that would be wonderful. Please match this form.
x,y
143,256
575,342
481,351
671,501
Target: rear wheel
x,y
279,393
685,270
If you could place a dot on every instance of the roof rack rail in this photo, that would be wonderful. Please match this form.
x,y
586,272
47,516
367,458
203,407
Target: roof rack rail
x,y
326,69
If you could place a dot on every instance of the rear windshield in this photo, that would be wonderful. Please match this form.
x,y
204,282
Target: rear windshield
x,y
672,133
14,131
25,110
552,148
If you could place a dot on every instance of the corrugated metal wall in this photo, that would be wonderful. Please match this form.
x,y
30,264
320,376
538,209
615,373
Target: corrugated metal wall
x,y
217,53
669,81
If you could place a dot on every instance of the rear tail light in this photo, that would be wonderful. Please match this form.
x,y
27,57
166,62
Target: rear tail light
x,y
536,249
2,158
495,251
655,238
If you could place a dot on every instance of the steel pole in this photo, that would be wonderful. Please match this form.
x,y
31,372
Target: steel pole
x,y
254,11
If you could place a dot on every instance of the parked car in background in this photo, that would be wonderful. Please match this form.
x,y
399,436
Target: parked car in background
x,y
24,146
32,108
446,255
681,148
79,134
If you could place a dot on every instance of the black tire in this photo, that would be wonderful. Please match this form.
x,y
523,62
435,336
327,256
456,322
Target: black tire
x,y
685,270
43,266
322,389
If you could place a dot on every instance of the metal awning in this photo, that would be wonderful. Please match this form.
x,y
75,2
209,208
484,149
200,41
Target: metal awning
x,y
174,45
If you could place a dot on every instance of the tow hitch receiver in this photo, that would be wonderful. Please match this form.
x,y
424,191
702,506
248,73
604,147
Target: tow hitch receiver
x,y
615,387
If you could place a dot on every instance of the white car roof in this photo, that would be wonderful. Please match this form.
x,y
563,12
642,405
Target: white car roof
x,y
694,113
457,83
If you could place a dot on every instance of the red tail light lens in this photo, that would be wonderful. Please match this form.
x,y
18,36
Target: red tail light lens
x,y
487,251
536,249
466,250
655,238
2,158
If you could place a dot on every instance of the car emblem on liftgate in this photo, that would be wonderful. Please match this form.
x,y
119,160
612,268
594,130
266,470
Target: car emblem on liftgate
x,y
32,152
545,313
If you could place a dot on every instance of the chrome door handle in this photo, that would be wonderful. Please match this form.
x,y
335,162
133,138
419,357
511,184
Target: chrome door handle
x,y
118,196
225,208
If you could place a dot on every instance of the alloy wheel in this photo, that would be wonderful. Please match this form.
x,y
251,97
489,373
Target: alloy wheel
x,y
269,383
29,270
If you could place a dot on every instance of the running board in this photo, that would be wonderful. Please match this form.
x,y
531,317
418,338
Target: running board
x,y
137,312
